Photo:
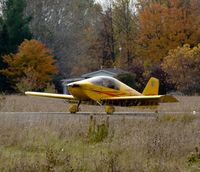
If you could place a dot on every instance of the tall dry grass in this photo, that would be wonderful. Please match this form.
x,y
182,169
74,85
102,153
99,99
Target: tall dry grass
x,y
14,103
62,143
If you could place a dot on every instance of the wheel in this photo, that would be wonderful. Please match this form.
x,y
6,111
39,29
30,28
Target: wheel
x,y
110,110
73,108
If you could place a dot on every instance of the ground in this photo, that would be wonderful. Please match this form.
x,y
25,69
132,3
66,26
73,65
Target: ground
x,y
50,142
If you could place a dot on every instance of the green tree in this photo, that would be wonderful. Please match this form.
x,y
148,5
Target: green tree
x,y
16,23
13,30
3,38
3,50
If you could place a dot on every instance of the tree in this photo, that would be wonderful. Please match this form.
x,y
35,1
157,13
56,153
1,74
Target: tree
x,y
69,28
117,33
182,66
165,25
16,24
90,45
102,49
32,67
3,37
13,30
125,31
3,49
107,39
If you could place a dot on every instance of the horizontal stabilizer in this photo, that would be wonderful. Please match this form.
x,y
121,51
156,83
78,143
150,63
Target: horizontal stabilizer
x,y
168,99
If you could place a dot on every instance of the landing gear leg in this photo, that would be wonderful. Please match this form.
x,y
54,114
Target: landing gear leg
x,y
74,107
110,110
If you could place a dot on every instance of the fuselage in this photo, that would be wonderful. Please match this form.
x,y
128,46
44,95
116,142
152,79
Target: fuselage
x,y
100,87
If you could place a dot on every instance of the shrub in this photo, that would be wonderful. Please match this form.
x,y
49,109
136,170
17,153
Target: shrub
x,y
50,88
128,79
182,66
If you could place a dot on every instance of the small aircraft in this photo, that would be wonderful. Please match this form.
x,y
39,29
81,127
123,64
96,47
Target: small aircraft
x,y
109,92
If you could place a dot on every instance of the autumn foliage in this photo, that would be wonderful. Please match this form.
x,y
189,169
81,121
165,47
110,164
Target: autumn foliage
x,y
165,26
32,67
138,36
182,66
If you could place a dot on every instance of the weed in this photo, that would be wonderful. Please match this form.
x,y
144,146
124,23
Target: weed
x,y
109,162
98,132
113,162
51,159
194,157
56,159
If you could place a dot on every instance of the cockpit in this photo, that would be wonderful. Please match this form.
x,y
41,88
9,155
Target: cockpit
x,y
105,82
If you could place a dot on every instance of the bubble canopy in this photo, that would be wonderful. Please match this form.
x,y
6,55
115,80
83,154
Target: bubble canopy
x,y
105,81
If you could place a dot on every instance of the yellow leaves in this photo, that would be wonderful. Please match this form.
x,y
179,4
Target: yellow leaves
x,y
33,62
183,66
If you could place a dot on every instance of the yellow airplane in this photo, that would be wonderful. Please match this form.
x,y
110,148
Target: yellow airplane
x,y
108,91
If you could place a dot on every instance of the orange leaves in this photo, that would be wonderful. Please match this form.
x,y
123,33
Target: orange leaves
x,y
33,62
166,26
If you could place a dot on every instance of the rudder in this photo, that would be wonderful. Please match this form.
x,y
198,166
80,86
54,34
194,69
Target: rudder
x,y
152,87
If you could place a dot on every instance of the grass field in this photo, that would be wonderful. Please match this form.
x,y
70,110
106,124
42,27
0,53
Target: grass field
x,y
35,104
99,143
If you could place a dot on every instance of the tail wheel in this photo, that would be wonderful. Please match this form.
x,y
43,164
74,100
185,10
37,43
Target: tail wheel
x,y
110,110
73,108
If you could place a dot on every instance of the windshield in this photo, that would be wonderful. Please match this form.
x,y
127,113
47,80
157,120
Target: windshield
x,y
105,82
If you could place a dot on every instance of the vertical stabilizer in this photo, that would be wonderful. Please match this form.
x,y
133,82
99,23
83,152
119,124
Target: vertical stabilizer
x,y
152,87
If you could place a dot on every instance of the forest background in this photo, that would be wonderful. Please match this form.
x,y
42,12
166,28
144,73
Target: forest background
x,y
43,42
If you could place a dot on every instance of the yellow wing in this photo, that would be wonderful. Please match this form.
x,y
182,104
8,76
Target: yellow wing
x,y
51,95
139,100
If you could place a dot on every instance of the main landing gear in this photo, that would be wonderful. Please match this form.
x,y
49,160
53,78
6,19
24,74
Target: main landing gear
x,y
110,110
73,108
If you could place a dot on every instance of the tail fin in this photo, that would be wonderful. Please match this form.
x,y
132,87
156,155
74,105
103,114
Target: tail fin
x,y
152,87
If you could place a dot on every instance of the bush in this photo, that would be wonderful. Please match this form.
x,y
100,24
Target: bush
x,y
128,79
50,88
182,66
